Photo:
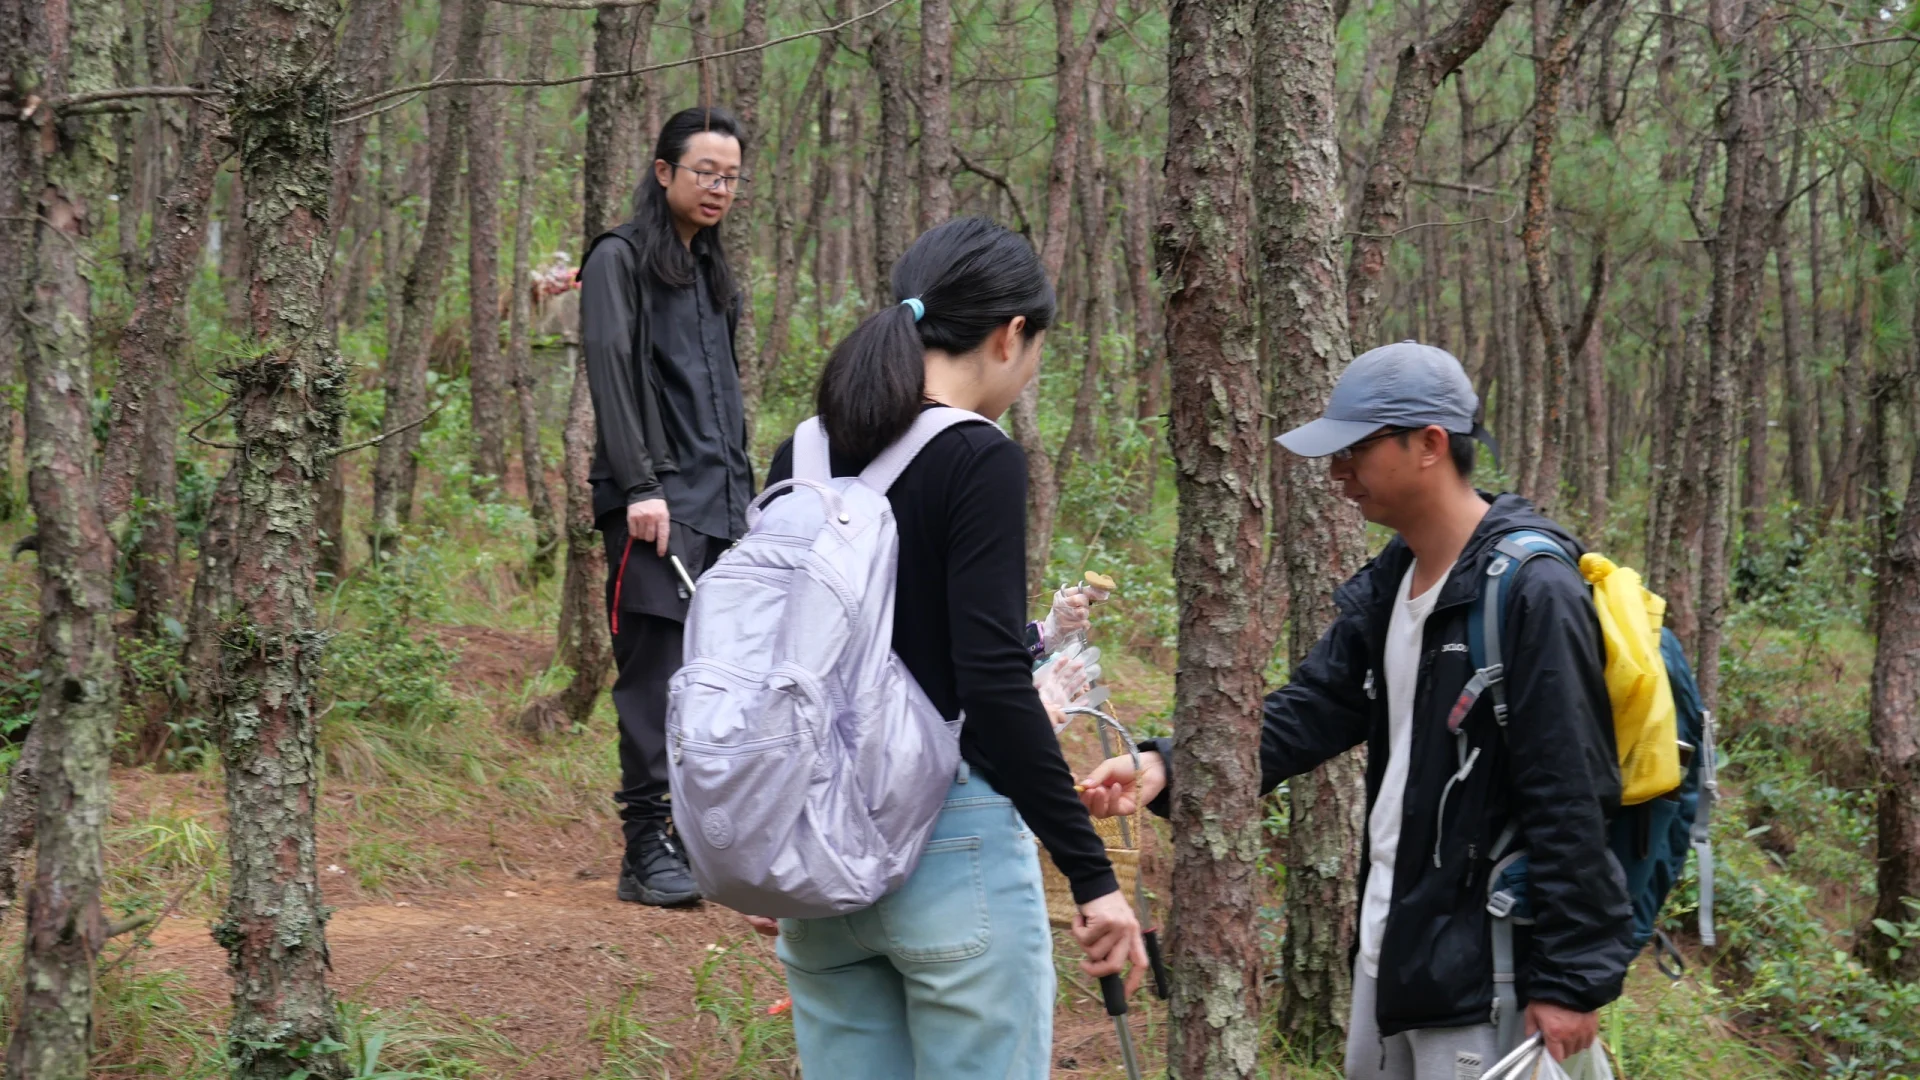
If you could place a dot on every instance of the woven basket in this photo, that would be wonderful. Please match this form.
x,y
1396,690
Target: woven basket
x,y
1126,867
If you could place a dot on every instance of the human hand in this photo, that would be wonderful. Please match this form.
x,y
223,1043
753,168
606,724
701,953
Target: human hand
x,y
1072,610
1109,931
1065,679
1115,788
1565,1031
763,926
647,523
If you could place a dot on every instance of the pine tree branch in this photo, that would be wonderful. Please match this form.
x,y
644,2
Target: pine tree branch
x,y
624,73
388,434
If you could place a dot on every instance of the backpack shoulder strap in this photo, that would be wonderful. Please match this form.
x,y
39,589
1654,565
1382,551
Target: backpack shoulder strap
x,y
810,460
1511,552
885,469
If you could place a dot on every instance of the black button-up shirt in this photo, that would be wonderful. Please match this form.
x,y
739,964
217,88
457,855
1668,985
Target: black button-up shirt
x,y
702,417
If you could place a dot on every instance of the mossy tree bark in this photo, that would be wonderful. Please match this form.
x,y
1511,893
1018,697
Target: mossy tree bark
x,y
288,405
1217,436
1304,297
63,175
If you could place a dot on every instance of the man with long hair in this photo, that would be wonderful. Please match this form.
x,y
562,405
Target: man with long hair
x,y
671,479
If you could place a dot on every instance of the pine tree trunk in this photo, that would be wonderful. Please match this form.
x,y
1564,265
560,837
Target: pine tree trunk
x,y
395,470
143,411
289,403
486,369
621,37
1800,405
1550,70
583,644
1303,305
840,149
1423,67
1075,58
1218,440
546,528
1753,489
740,228
14,242
1598,451
786,276
1740,135
19,813
892,222
66,165
582,641
1097,305
936,112
1687,519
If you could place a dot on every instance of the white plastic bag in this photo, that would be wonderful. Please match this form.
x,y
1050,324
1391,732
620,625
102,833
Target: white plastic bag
x,y
1530,1061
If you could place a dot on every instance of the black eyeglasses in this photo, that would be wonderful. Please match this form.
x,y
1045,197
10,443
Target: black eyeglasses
x,y
712,181
1347,454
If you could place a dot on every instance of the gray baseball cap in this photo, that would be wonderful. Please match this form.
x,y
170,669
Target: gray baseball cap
x,y
1403,385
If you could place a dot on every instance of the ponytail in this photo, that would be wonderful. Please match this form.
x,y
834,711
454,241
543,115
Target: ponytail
x,y
958,283
873,385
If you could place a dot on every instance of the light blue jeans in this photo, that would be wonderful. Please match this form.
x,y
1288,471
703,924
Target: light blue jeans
x,y
949,977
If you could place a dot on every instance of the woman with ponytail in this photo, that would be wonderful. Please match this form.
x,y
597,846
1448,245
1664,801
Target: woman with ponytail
x,y
952,974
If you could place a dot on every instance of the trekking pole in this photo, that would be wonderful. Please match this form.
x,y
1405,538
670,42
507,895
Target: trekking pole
x,y
1096,696
1114,992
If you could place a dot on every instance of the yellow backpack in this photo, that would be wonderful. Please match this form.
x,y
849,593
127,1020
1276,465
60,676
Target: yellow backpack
x,y
1645,724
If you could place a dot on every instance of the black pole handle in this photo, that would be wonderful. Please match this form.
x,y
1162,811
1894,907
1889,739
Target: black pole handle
x,y
1162,982
1114,991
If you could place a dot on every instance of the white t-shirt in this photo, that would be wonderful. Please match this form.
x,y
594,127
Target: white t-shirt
x,y
1405,634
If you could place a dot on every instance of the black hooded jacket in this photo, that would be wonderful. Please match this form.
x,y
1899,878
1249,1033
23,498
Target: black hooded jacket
x,y
1554,772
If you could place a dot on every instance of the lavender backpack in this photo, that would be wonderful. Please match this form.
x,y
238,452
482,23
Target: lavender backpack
x,y
807,765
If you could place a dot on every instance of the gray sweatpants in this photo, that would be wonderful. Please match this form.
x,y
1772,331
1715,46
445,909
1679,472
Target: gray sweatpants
x,y
1461,1053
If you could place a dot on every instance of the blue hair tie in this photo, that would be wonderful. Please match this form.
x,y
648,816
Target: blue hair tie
x,y
919,309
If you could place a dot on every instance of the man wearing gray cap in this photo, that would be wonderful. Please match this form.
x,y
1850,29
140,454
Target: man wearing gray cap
x,y
1455,782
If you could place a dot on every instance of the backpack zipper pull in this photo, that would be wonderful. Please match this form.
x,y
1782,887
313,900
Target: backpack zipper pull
x,y
1368,686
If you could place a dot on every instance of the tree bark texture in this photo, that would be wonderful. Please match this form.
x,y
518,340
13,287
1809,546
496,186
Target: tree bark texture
x,y
891,220
1218,447
19,813
1424,65
1753,486
1732,31
622,38
395,471
1303,305
289,401
143,411
936,112
1895,730
546,527
1800,405
739,228
486,368
63,185
1550,71
583,644
1597,467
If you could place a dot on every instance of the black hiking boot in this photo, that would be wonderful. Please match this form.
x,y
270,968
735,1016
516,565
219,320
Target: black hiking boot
x,y
655,871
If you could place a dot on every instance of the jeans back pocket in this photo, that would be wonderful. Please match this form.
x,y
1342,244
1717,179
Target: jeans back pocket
x,y
941,911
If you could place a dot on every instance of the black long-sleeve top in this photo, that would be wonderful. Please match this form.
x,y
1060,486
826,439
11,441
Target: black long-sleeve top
x,y
959,613
675,428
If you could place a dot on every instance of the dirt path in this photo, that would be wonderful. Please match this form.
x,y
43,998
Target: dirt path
x,y
528,951
559,971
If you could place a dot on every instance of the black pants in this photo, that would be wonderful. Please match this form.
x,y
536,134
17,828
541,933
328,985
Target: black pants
x,y
652,607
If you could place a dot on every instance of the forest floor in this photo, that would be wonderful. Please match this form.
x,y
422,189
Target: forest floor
x,y
499,931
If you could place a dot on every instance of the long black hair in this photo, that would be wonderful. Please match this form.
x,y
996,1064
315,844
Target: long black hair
x,y
662,255
971,277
